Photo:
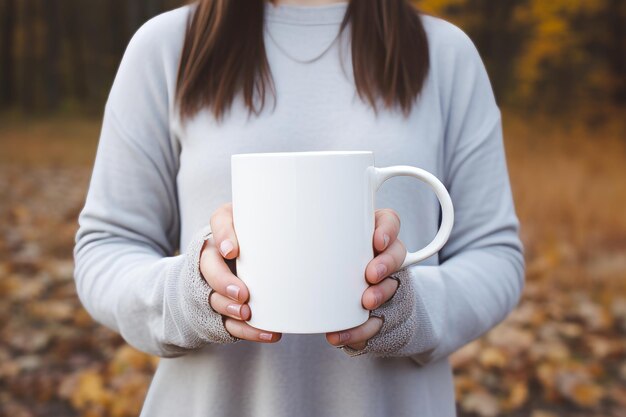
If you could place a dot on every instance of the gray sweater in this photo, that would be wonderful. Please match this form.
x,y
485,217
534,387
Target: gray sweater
x,y
156,182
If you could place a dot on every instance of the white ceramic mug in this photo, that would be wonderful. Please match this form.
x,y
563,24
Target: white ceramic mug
x,y
305,226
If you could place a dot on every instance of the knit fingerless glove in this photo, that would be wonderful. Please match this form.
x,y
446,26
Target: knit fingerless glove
x,y
205,324
404,316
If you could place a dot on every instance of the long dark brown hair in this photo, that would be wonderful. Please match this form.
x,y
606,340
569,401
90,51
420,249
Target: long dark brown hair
x,y
224,54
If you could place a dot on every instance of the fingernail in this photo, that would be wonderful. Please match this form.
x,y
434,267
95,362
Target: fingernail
x,y
226,247
234,309
233,292
343,337
381,270
265,336
385,240
379,298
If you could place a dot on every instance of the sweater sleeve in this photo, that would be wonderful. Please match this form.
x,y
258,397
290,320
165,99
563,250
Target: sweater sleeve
x,y
126,272
480,276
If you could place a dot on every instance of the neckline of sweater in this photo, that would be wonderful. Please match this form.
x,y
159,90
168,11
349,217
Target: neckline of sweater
x,y
328,14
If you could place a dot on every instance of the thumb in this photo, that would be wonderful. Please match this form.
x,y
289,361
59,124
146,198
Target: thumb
x,y
224,231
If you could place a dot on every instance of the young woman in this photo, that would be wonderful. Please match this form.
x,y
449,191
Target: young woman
x,y
219,77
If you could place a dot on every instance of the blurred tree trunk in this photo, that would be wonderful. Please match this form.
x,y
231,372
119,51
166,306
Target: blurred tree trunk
x,y
153,7
75,34
134,15
7,53
53,48
617,49
29,70
492,24
117,22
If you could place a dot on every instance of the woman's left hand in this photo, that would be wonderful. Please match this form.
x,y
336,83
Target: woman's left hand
x,y
390,253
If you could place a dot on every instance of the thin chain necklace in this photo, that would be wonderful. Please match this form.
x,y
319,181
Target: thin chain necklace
x,y
302,61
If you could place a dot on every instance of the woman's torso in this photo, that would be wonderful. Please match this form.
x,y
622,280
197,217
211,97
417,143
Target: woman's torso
x,y
317,108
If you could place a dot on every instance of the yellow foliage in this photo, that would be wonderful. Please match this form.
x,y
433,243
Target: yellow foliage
x,y
517,396
492,358
586,394
439,7
543,413
90,390
129,359
556,37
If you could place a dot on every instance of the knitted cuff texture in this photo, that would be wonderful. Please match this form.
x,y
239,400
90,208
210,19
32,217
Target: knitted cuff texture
x,y
207,323
399,322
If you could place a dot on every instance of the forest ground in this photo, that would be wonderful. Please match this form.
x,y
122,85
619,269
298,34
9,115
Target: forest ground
x,y
561,353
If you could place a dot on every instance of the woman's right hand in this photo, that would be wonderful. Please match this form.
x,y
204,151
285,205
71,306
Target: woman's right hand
x,y
230,295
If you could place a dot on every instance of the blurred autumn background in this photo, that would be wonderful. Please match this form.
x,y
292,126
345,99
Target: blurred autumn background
x,y
559,71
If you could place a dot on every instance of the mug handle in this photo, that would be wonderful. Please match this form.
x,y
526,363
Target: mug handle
x,y
383,174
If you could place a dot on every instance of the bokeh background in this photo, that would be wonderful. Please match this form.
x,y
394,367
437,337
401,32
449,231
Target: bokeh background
x,y
559,71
